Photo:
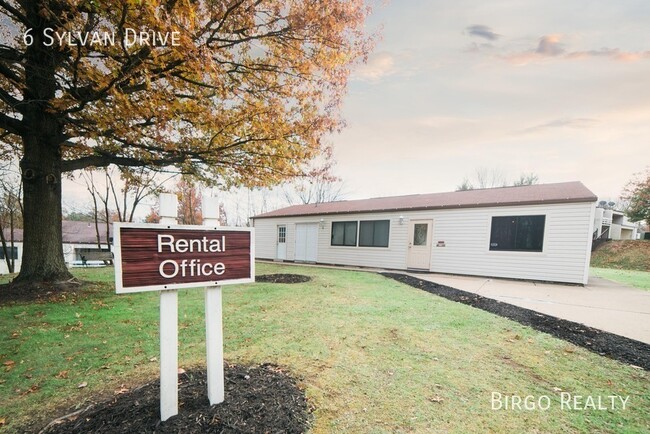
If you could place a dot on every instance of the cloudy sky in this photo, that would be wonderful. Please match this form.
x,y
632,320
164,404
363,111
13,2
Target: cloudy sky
x,y
557,88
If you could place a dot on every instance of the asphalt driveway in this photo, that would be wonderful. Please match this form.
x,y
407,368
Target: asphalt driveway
x,y
601,304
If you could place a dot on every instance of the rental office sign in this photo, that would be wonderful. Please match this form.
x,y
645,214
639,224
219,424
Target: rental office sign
x,y
157,257
166,257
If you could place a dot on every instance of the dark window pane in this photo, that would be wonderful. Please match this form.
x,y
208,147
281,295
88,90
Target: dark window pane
x,y
337,233
374,233
530,233
350,234
344,234
503,232
382,229
366,230
523,233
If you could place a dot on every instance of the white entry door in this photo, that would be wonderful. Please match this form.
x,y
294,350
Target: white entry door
x,y
419,247
281,250
306,242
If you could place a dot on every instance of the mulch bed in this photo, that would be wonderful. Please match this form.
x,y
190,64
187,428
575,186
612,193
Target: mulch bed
x,y
283,278
261,399
604,343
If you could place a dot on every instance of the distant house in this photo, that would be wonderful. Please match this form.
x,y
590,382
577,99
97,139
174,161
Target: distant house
x,y
613,225
539,232
79,239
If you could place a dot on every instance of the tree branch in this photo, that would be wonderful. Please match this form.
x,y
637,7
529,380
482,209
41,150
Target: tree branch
x,y
9,99
105,160
10,54
11,124
15,12
10,74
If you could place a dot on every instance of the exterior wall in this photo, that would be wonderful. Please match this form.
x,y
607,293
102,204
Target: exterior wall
x,y
70,255
598,221
3,263
466,236
628,234
71,251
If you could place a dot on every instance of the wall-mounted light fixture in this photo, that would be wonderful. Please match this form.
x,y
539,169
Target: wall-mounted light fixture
x,y
401,219
321,223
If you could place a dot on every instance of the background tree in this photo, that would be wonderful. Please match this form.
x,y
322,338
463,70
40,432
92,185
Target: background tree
x,y
318,185
11,212
637,196
526,179
101,213
137,184
154,215
189,202
241,96
79,214
493,178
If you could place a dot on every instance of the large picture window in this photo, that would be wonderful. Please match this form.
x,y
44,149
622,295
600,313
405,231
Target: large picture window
x,y
518,233
374,233
344,233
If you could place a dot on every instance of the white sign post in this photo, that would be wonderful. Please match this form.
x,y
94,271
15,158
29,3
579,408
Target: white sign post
x,y
168,326
166,257
213,319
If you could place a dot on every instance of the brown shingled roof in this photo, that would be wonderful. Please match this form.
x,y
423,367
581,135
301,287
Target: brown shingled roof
x,y
525,195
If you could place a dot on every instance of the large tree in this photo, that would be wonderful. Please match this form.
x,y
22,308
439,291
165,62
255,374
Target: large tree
x,y
637,197
234,92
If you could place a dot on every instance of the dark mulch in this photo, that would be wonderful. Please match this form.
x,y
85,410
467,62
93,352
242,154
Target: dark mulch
x,y
42,292
260,399
606,344
282,278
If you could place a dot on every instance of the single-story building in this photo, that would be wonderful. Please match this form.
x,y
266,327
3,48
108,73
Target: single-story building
x,y
79,239
538,232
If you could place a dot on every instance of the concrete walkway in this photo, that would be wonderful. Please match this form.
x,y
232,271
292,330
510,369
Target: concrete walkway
x,y
601,304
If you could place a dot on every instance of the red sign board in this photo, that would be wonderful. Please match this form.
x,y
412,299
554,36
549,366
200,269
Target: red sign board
x,y
151,257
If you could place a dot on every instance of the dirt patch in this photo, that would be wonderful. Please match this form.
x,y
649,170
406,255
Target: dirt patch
x,y
261,399
43,292
606,344
282,278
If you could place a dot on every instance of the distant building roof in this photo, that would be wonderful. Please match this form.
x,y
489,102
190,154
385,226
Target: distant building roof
x,y
84,232
74,232
525,195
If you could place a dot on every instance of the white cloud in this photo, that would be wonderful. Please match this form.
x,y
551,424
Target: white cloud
x,y
379,65
553,47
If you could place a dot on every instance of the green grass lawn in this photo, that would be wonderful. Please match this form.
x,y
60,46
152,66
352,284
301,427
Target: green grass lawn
x,y
638,279
373,355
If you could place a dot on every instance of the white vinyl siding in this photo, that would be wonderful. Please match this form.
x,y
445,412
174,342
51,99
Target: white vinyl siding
x,y
466,236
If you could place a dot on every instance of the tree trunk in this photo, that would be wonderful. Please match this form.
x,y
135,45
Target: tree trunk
x,y
42,259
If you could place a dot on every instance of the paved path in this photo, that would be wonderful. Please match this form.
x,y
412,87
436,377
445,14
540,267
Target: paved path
x,y
601,304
